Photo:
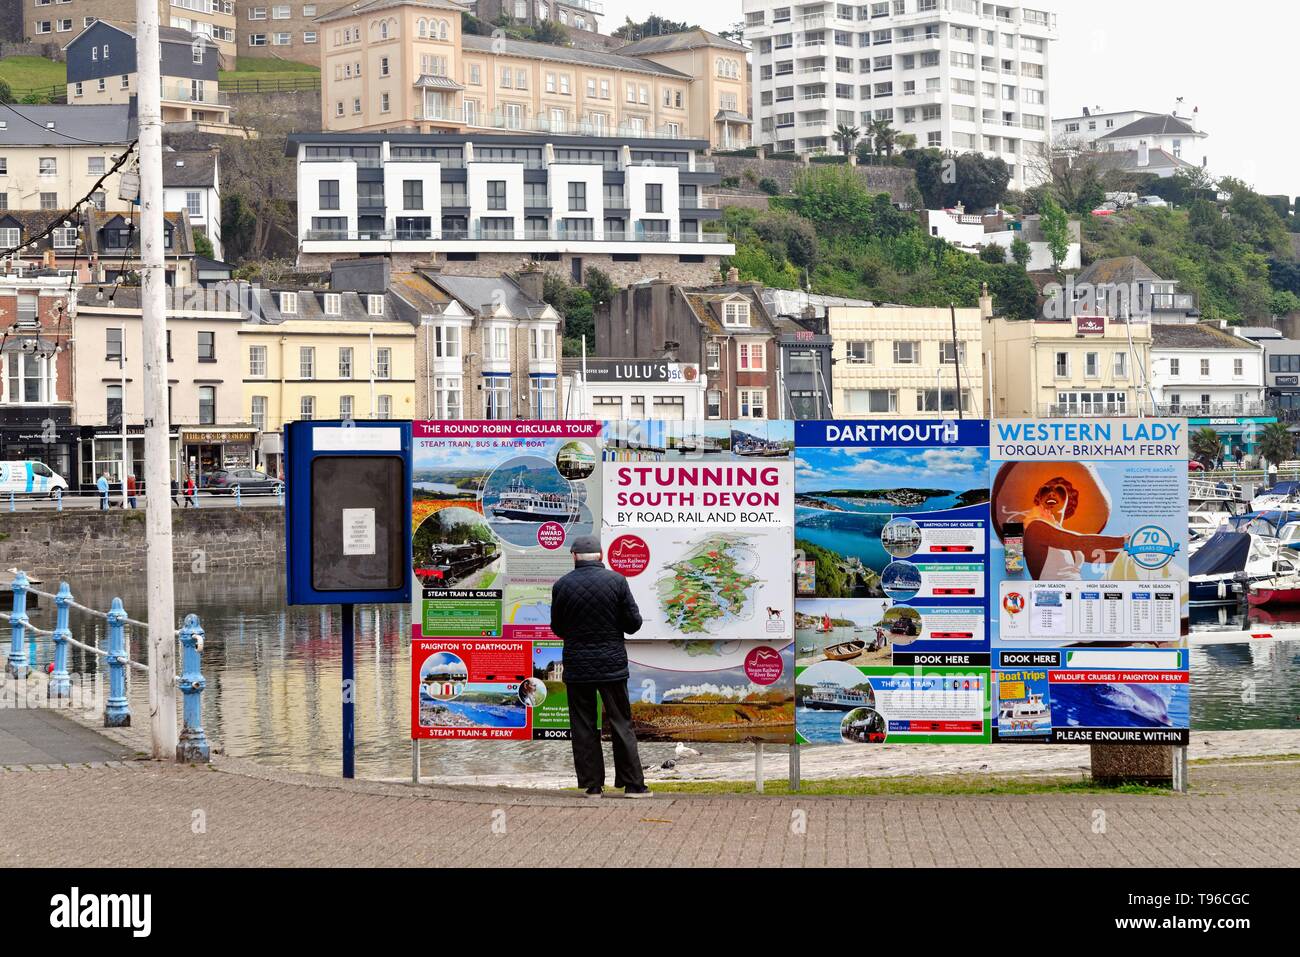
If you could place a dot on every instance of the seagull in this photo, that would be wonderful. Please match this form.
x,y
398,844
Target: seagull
x,y
684,752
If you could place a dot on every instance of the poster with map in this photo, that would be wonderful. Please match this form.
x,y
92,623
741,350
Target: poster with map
x,y
699,517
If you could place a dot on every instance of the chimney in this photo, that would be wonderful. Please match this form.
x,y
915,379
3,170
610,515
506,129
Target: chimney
x,y
1144,154
733,275
47,258
530,283
986,302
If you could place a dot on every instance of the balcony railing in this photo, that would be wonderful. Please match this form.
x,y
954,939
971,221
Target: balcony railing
x,y
1212,410
1089,409
480,234
182,93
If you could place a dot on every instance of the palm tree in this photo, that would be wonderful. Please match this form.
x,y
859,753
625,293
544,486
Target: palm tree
x,y
1276,444
884,135
847,137
1205,444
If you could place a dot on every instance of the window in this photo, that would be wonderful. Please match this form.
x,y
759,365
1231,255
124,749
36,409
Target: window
x,y
48,166
447,397
713,404
948,355
307,408
541,345
1121,365
496,391
446,342
207,405
1238,367
496,194
907,353
1091,365
384,363
712,357
751,356
1205,367
412,194
113,405
735,314
333,304
207,346
383,407
329,194
259,412
753,403
345,362
577,196
1174,367
257,361
1062,364
306,362
289,302
542,397
375,305
194,203
31,379
941,400
113,344
654,198
862,401
383,103
498,343
49,200
858,352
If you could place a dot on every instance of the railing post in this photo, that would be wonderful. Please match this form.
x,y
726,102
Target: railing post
x,y
279,493
238,498
17,664
60,685
58,499
192,746
117,709
11,501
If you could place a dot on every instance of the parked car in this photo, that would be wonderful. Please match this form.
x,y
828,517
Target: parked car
x,y
29,476
1152,202
246,480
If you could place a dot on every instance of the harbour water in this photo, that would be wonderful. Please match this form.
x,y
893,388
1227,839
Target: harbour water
x,y
273,681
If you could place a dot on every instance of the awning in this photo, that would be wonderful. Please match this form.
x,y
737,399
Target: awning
x,y
428,82
731,116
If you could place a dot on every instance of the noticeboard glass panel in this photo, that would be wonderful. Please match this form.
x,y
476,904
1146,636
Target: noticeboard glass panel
x,y
356,523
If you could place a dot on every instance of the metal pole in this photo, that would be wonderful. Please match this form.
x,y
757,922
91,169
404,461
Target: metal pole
x,y
1180,769
157,453
415,761
126,452
117,708
349,680
758,766
17,664
60,685
794,766
193,746
956,359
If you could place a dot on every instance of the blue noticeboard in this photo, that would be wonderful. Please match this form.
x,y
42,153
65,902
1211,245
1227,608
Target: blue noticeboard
x,y
348,512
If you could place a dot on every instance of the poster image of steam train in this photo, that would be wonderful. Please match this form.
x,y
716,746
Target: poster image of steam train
x,y
838,703
454,547
734,692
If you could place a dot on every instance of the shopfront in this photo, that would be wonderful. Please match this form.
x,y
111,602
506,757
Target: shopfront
x,y
40,434
1234,432
103,451
210,448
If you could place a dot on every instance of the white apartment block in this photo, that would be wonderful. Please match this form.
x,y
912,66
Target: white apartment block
x,y
958,75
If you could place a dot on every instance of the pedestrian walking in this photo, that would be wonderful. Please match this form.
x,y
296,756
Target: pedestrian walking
x,y
101,483
190,492
130,491
592,610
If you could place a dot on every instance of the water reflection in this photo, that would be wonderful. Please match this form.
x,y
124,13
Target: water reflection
x,y
273,681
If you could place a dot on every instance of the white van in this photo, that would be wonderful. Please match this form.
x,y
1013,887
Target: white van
x,y
35,478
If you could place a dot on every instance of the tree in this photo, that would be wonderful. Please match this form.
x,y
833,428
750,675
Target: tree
x,y
884,136
847,137
993,253
1276,443
652,26
1071,176
946,179
202,245
1021,252
549,31
1055,224
259,187
6,92
1205,443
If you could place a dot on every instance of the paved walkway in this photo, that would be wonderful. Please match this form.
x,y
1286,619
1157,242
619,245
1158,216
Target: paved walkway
x,y
237,813
41,736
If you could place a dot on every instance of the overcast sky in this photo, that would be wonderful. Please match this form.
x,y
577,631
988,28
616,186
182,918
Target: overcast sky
x,y
1235,61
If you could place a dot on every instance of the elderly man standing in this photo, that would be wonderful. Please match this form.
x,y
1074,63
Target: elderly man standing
x,y
592,610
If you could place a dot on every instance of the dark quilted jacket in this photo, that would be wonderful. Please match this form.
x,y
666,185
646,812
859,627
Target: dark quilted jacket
x,y
592,608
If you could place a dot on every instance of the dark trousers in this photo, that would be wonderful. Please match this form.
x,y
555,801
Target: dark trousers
x,y
588,757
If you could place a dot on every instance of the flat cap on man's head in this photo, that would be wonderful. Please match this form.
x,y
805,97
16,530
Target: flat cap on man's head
x,y
586,545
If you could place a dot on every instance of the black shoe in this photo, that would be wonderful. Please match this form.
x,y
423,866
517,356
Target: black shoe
x,y
593,792
638,792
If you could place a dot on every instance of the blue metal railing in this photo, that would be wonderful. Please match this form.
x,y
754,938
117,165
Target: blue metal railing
x,y
193,743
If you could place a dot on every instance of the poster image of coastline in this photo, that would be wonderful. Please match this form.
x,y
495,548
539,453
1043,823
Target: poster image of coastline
x,y
711,706
839,526
767,440
860,631
527,491
454,547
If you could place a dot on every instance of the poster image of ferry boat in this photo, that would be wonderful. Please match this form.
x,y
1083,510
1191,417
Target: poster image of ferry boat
x,y
901,580
1023,702
766,440
453,546
527,491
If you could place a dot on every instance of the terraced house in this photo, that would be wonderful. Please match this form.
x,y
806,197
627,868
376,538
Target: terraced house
x,y
496,203
405,65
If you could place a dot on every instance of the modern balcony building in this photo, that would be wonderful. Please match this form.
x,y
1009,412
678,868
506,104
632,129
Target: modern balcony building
x,y
493,204
960,75
406,65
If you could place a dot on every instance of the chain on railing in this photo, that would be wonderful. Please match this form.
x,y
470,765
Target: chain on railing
x,y
193,745
68,500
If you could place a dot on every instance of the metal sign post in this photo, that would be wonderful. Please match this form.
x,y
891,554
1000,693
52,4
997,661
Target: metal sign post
x,y
349,692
